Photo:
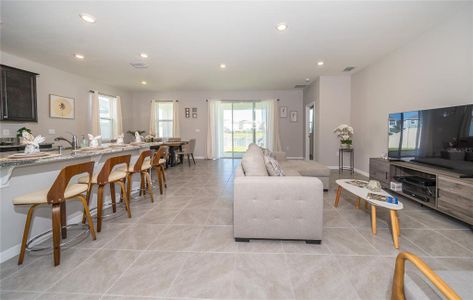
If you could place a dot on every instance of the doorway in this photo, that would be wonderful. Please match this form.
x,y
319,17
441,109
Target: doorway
x,y
309,145
242,123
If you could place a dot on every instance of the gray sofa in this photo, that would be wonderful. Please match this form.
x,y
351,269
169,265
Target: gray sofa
x,y
275,207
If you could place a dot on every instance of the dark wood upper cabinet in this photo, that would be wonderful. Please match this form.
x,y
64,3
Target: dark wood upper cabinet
x,y
18,95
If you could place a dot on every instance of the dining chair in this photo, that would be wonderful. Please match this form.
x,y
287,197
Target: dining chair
x,y
188,150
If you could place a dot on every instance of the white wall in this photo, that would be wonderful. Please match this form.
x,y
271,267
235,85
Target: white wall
x,y
435,70
332,96
290,133
55,81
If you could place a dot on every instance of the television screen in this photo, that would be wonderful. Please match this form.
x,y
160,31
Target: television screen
x,y
442,136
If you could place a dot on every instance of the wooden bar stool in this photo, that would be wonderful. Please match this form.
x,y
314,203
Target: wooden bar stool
x,y
142,166
59,192
159,162
108,175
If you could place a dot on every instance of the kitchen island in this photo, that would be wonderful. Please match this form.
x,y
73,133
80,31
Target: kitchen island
x,y
21,176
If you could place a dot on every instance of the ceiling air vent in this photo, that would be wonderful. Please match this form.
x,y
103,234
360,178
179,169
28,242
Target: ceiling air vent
x,y
139,65
348,69
300,86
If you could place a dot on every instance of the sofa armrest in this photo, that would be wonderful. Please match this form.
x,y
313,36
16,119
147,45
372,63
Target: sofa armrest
x,y
278,207
279,155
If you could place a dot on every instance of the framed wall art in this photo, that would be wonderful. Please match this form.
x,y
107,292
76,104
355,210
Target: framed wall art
x,y
61,107
283,112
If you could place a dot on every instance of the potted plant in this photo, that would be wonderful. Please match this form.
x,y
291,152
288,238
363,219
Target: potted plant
x,y
344,133
19,133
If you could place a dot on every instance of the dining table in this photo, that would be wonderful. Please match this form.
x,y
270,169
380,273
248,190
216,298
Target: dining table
x,y
173,146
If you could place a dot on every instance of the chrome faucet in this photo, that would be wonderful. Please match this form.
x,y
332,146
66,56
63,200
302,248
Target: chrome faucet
x,y
73,142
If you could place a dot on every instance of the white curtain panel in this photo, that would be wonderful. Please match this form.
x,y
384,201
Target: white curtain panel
x,y
118,126
272,129
175,119
212,130
95,113
153,118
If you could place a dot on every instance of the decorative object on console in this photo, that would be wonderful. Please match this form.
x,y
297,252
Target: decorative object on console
x,y
138,137
132,132
293,116
31,142
61,107
283,112
94,141
374,186
345,133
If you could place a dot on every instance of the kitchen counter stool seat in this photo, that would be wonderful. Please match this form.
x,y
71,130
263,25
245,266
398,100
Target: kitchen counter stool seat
x,y
111,173
142,166
60,191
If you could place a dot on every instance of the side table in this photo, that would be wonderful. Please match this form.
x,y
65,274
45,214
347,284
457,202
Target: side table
x,y
341,165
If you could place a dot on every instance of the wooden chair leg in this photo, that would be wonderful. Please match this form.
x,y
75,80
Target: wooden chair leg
x,y
112,194
164,176
357,202
192,155
63,220
395,230
126,200
160,179
142,185
88,216
373,219
56,224
26,232
148,184
128,189
87,199
99,207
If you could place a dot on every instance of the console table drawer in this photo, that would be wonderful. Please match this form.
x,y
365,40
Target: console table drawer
x,y
456,187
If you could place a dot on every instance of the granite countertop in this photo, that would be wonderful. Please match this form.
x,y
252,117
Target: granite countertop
x,y
66,155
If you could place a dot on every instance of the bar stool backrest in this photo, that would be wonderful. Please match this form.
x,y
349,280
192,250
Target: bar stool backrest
x,y
108,166
141,160
56,192
161,153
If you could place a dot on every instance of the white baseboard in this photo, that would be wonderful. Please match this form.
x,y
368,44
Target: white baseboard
x,y
362,172
295,157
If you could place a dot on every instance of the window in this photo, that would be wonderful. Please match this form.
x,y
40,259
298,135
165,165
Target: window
x,y
108,116
165,118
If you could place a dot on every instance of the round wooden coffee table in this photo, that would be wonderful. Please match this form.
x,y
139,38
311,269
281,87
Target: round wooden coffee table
x,y
355,187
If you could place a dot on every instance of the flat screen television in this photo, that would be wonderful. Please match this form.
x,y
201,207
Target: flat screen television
x,y
440,136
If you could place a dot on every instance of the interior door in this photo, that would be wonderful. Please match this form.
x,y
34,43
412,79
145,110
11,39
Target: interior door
x,y
310,132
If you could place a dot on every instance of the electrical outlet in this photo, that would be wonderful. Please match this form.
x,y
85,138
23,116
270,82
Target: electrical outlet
x,y
52,131
6,132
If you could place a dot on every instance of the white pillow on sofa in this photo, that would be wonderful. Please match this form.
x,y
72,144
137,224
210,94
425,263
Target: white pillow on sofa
x,y
273,167
253,162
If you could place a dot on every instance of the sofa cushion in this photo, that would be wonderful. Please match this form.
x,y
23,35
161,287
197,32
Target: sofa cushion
x,y
273,167
306,167
253,162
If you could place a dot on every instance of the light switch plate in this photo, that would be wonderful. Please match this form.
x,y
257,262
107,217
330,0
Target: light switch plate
x,y
6,132
52,131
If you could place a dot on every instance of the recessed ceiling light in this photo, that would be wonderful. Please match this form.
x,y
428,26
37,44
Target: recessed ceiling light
x,y
223,66
87,18
144,55
144,82
281,26
320,63
79,56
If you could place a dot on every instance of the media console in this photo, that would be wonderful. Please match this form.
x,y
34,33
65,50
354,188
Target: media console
x,y
435,187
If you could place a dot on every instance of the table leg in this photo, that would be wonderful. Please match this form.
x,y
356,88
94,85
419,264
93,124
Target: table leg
x,y
395,229
373,219
397,224
366,204
337,197
357,202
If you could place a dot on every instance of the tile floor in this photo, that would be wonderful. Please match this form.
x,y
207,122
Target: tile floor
x,y
182,247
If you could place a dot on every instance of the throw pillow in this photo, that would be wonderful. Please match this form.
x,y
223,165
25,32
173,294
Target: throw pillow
x,y
273,167
253,162
267,152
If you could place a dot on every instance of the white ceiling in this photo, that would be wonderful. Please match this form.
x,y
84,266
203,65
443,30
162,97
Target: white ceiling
x,y
186,41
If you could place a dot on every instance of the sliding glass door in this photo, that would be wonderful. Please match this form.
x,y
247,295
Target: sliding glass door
x,y
243,122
